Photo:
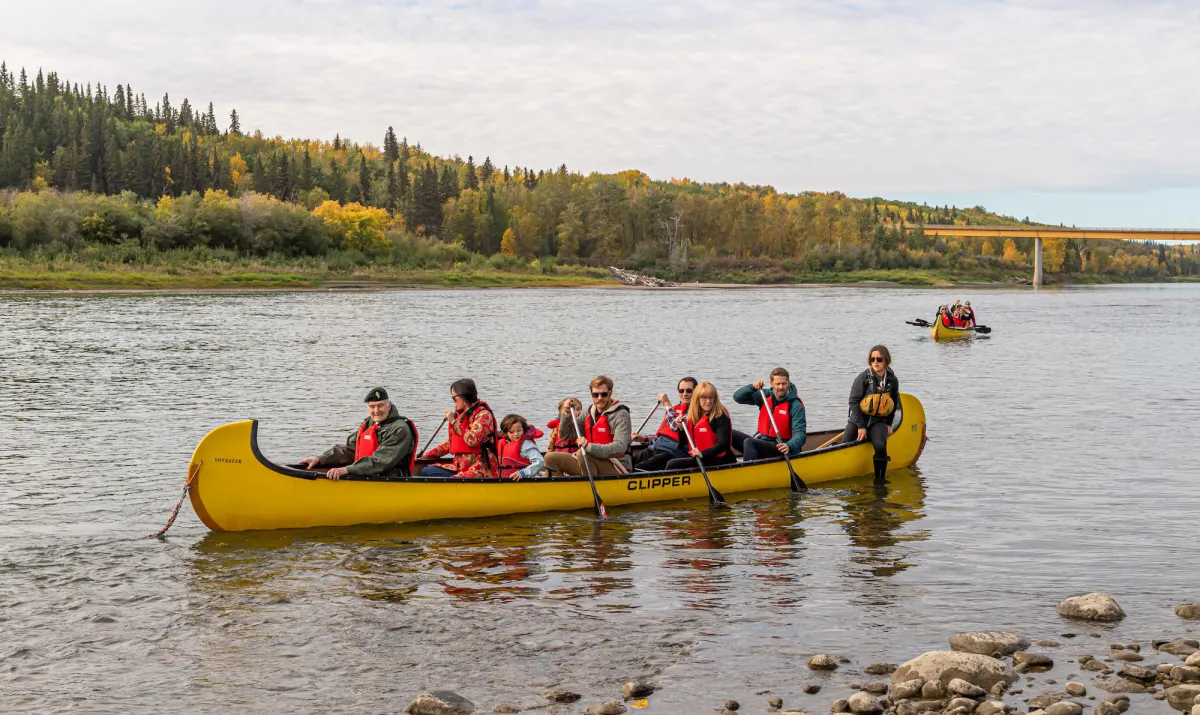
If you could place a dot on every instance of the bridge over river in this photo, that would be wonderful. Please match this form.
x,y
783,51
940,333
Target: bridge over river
x,y
1041,232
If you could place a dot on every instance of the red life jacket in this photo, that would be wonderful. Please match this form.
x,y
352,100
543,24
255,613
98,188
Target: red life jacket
x,y
598,431
486,446
510,452
368,441
946,320
704,435
559,444
783,417
664,430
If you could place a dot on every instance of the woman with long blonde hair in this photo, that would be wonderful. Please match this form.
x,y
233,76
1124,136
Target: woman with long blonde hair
x,y
711,428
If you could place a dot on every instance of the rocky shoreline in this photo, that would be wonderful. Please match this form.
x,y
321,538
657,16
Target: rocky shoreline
x,y
983,673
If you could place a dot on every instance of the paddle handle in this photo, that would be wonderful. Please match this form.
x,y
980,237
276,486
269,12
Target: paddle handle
x,y
645,421
435,434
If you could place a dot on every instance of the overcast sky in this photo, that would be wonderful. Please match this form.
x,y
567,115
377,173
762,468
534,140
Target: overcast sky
x,y
1077,112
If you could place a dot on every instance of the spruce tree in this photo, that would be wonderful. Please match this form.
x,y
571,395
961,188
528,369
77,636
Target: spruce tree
x,y
471,177
393,189
486,171
391,148
364,178
235,124
306,171
448,185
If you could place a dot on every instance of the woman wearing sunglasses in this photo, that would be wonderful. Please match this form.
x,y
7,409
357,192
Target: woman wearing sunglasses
x,y
607,431
874,405
664,444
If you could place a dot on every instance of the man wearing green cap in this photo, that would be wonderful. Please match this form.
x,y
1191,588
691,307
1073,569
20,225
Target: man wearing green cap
x,y
383,445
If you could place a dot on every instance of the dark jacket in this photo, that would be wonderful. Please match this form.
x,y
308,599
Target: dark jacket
x,y
722,428
391,458
749,396
866,383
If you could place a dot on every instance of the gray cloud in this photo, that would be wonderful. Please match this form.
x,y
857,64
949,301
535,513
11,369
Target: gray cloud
x,y
867,97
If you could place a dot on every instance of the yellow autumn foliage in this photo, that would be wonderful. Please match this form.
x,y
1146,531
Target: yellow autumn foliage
x,y
355,226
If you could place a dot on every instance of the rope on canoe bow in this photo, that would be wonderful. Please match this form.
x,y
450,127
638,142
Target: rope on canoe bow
x,y
187,486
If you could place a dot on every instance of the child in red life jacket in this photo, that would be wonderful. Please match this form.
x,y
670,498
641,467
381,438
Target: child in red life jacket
x,y
562,429
519,455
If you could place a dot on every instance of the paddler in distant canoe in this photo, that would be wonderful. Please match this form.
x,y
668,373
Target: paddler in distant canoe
x,y
384,445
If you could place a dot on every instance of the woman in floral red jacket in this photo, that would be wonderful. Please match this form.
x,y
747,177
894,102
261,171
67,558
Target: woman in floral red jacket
x,y
472,443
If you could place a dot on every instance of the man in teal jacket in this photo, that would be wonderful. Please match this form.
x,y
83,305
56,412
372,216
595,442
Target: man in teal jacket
x,y
782,409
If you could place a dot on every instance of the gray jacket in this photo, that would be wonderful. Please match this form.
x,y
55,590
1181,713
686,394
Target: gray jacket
x,y
622,435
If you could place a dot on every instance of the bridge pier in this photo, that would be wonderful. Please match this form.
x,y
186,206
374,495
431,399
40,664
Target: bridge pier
x,y
1037,262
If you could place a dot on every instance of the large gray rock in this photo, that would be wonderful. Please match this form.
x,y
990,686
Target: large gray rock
x,y
864,703
1191,611
1107,709
991,707
962,704
1046,699
1076,690
988,643
942,666
440,702
1091,607
880,668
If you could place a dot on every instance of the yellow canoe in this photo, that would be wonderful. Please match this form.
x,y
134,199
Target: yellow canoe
x,y
941,333
235,488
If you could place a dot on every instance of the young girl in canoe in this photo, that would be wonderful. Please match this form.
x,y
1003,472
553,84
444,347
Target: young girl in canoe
x,y
562,429
519,455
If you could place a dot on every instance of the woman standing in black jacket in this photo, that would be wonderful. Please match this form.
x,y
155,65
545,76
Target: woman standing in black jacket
x,y
874,404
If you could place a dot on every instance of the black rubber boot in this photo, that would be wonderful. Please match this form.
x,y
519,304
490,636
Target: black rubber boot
x,y
881,464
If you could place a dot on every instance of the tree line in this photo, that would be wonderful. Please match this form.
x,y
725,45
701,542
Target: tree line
x,y
177,176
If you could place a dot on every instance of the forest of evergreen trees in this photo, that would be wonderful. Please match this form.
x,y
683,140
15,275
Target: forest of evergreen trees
x,y
81,164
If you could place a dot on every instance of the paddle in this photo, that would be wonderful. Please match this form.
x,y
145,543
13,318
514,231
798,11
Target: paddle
x,y
982,329
435,433
714,496
587,467
643,425
919,322
798,484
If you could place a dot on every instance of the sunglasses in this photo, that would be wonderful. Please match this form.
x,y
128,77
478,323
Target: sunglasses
x,y
876,359
598,395
686,392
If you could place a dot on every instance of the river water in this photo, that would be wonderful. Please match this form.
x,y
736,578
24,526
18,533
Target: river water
x,y
1062,459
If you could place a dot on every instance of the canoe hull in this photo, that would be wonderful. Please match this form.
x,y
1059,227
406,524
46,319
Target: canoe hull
x,y
237,489
941,333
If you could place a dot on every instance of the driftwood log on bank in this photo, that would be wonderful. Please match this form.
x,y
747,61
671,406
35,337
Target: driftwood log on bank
x,y
631,278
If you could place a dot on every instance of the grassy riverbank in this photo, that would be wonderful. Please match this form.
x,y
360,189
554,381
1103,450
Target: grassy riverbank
x,y
73,273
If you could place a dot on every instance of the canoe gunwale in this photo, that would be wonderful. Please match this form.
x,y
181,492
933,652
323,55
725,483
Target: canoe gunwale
x,y
311,476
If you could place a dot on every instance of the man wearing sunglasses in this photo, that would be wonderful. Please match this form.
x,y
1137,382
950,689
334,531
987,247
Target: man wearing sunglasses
x,y
664,444
607,432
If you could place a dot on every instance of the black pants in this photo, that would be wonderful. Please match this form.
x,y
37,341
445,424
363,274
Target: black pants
x,y
877,433
754,448
739,440
690,462
652,460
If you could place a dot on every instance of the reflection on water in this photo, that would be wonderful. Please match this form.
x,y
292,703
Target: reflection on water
x,y
709,603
